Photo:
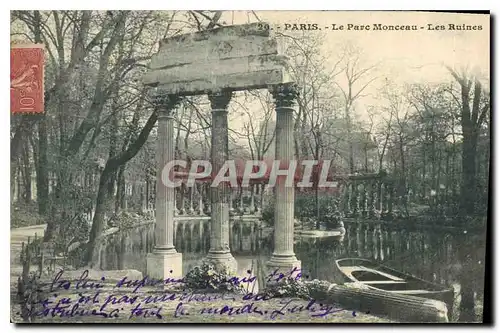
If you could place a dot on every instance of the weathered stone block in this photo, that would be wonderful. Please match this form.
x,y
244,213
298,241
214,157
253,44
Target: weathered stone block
x,y
233,57
164,265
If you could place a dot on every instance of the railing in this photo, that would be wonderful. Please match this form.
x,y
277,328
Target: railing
x,y
371,196
196,200
362,196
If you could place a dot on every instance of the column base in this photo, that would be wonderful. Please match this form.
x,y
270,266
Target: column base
x,y
161,265
279,268
222,261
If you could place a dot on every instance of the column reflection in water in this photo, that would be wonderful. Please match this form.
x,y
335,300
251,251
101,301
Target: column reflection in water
x,y
380,243
359,237
429,254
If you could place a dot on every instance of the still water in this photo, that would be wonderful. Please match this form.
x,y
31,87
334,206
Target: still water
x,y
453,258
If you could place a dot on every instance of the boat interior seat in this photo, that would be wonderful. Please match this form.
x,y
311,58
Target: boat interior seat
x,y
383,282
350,269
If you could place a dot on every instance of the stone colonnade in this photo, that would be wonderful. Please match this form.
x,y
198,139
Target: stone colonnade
x,y
165,261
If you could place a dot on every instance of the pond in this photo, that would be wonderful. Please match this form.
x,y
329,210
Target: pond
x,y
454,257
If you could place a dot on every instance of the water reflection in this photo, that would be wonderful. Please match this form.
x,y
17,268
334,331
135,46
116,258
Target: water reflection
x,y
453,259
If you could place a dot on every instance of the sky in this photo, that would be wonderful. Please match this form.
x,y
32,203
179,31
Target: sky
x,y
408,55
401,56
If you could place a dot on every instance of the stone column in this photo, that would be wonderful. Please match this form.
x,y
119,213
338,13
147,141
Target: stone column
x,y
241,210
355,195
252,199
283,259
164,261
349,191
191,200
390,198
220,254
200,199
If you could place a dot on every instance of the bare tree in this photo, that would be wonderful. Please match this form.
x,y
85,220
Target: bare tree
x,y
357,78
474,104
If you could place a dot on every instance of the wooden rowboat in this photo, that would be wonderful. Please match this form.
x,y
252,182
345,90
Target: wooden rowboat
x,y
379,277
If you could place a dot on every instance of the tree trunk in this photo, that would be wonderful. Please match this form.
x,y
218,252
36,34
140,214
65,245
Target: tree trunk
x,y
351,158
433,171
455,171
15,148
19,183
102,204
61,195
439,192
424,170
13,180
120,193
471,120
26,172
366,158
448,178
469,173
42,174
124,200
402,183
467,285
112,165
112,146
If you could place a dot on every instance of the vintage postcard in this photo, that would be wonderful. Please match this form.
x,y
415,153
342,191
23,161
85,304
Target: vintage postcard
x,y
249,166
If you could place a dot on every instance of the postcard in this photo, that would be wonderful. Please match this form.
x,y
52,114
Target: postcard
x,y
206,166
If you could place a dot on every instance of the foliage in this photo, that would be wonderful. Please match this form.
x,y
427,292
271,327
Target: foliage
x,y
125,219
29,296
328,213
72,222
32,249
305,207
24,215
267,216
208,277
421,137
292,287
76,257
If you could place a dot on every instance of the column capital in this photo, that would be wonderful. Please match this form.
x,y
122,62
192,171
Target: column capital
x,y
220,100
284,94
165,104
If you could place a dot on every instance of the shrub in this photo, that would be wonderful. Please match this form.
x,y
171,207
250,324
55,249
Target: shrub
x,y
330,214
125,219
305,211
290,287
24,215
207,277
267,216
74,230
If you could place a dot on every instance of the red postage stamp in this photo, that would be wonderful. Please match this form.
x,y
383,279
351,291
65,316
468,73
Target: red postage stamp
x,y
26,78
